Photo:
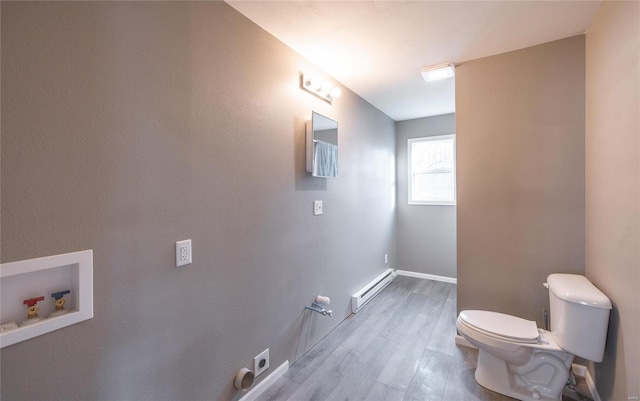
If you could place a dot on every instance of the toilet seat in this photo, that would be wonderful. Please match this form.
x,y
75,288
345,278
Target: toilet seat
x,y
501,326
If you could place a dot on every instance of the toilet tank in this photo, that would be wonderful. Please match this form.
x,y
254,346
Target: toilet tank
x,y
579,315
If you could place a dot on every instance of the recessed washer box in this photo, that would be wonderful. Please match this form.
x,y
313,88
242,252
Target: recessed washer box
x,y
42,277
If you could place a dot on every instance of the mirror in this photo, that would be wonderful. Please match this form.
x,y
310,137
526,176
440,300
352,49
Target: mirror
x,y
322,146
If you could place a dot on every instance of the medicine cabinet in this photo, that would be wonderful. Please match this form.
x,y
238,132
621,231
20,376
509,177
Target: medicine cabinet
x,y
322,146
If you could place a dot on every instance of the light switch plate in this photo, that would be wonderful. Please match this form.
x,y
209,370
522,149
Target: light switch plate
x,y
184,255
317,207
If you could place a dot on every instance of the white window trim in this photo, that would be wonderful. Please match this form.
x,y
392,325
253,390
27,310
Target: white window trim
x,y
410,176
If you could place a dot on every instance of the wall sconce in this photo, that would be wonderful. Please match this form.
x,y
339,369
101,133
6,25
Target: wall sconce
x,y
320,87
438,72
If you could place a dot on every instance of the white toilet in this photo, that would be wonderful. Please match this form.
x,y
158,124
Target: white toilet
x,y
518,359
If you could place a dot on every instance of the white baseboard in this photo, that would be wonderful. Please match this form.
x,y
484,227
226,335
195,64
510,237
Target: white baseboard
x,y
426,276
261,387
582,370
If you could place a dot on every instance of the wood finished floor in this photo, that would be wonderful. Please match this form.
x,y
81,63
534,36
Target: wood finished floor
x,y
399,347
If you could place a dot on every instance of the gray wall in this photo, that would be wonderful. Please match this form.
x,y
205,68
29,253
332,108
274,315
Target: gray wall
x,y
520,157
426,235
127,126
613,189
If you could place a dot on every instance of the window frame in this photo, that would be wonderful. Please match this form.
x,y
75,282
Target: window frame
x,y
410,199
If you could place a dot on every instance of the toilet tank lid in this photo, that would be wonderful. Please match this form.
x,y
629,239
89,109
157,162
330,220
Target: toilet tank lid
x,y
577,289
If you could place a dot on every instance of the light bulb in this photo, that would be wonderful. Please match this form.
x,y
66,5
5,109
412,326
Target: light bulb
x,y
326,87
316,82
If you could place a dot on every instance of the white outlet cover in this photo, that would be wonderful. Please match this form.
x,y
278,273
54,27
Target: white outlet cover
x,y
317,207
257,369
184,255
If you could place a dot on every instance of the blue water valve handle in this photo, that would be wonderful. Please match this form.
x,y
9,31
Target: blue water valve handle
x,y
60,294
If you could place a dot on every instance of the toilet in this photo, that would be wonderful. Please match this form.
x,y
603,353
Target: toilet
x,y
520,360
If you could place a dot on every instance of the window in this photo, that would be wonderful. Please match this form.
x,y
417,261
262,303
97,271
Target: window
x,y
432,170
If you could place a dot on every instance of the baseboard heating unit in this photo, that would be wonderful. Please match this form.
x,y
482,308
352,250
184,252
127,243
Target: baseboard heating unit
x,y
360,298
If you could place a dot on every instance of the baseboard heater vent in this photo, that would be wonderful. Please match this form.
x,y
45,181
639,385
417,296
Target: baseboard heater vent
x,y
360,298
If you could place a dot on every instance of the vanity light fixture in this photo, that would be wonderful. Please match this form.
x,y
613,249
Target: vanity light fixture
x,y
320,87
438,72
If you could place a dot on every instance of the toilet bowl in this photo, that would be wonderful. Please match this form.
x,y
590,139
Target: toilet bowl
x,y
518,359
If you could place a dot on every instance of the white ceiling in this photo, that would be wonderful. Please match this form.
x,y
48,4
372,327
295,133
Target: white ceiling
x,y
377,48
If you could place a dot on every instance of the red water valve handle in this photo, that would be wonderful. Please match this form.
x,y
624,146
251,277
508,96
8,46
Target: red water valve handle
x,y
32,301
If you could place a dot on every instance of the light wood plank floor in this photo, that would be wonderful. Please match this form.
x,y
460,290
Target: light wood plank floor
x,y
399,347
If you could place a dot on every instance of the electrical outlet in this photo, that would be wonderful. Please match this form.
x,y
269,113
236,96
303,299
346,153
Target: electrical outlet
x,y
261,362
386,258
184,255
317,207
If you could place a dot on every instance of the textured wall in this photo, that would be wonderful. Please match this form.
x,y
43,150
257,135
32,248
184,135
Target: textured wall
x,y
613,189
426,235
520,153
127,126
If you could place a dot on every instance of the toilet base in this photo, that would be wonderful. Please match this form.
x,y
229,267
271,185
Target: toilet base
x,y
493,374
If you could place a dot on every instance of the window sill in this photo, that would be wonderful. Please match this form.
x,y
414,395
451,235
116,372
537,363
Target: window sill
x,y
433,203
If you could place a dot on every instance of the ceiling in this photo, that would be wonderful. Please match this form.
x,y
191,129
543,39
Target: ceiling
x,y
377,48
